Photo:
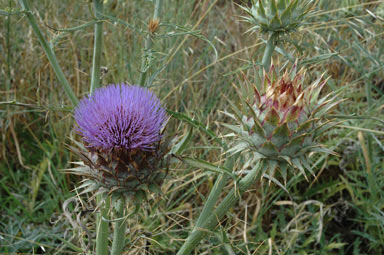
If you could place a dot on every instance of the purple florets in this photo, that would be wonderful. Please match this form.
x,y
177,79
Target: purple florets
x,y
120,116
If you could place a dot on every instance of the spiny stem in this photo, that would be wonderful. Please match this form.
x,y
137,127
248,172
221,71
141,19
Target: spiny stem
x,y
102,227
145,64
49,52
97,48
229,201
119,232
269,48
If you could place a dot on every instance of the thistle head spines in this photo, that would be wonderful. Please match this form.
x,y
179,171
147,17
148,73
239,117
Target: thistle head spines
x,y
276,16
286,116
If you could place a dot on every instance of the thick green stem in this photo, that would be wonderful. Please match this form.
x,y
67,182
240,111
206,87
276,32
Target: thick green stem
x,y
212,199
49,52
230,200
145,64
119,232
214,194
269,48
102,227
97,48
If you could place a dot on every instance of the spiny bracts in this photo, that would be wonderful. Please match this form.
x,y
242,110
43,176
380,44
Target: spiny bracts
x,y
276,16
280,120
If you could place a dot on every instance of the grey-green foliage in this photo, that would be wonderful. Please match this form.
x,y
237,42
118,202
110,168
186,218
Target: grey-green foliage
x,y
276,16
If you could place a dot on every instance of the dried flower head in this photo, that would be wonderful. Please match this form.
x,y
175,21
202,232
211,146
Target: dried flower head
x,y
153,25
121,127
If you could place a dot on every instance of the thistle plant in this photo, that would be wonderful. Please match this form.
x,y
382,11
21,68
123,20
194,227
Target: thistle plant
x,y
280,120
277,127
275,18
123,154
121,127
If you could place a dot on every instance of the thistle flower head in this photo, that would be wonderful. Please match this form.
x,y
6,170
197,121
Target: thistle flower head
x,y
285,97
121,127
281,119
276,16
120,117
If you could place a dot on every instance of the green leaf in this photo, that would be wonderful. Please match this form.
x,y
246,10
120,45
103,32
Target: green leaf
x,y
296,162
273,7
256,140
293,114
325,150
281,4
294,146
286,17
274,180
236,110
238,130
329,107
283,166
323,128
241,146
261,10
257,156
86,184
280,135
247,10
69,244
318,58
286,158
306,125
272,165
294,5
306,165
196,124
275,23
251,110
269,149
91,188
140,197
257,128
208,166
272,117
180,146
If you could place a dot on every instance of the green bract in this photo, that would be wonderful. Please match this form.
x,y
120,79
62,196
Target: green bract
x,y
276,16
280,121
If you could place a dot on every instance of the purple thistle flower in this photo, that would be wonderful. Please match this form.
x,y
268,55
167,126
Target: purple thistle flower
x,y
120,117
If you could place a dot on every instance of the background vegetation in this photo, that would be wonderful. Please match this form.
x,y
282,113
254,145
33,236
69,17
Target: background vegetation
x,y
340,209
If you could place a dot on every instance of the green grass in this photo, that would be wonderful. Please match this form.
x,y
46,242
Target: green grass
x,y
340,211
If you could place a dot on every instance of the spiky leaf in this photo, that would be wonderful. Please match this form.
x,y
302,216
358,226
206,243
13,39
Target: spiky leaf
x,y
281,135
269,149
